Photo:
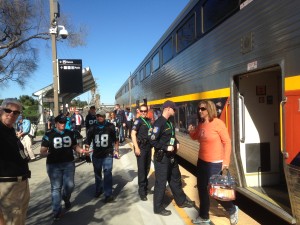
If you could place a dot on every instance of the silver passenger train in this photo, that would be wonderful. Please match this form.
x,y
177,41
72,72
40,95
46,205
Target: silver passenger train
x,y
244,56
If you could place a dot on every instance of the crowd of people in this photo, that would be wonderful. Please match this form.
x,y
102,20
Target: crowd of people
x,y
103,137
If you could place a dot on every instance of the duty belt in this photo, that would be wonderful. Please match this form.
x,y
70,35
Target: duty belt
x,y
15,179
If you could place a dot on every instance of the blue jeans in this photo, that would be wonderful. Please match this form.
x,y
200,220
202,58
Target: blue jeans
x,y
204,171
106,165
61,177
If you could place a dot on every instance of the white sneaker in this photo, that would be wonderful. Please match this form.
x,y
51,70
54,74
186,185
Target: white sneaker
x,y
200,220
234,217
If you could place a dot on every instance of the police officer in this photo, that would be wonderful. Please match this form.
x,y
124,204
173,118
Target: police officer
x,y
165,163
104,139
141,130
58,145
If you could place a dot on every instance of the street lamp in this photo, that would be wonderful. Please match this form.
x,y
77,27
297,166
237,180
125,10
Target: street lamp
x,y
55,31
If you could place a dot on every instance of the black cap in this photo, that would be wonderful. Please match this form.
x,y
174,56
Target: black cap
x,y
60,119
169,104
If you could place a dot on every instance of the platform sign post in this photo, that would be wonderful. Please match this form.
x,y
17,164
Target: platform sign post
x,y
70,76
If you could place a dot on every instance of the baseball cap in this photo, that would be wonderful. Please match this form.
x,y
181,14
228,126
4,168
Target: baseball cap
x,y
170,104
20,118
60,119
101,113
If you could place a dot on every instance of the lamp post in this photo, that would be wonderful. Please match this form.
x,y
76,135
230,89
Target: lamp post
x,y
53,23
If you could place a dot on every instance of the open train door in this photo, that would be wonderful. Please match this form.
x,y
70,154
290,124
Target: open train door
x,y
257,119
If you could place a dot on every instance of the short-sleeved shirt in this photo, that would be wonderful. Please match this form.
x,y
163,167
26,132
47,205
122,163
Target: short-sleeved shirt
x,y
90,120
13,161
163,131
60,145
143,128
103,137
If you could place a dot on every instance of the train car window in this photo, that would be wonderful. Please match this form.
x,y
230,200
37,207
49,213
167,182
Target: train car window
x,y
214,11
136,80
155,62
142,74
186,34
167,51
148,69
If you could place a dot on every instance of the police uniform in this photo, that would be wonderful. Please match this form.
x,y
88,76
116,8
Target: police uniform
x,y
60,166
165,164
143,129
14,174
102,136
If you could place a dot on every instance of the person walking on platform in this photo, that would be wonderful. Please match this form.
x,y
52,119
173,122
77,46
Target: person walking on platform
x,y
112,119
129,120
24,126
214,156
166,167
90,118
121,118
58,145
140,134
14,170
78,120
104,139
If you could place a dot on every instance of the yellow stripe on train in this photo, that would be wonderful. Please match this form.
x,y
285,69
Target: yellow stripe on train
x,y
219,93
292,83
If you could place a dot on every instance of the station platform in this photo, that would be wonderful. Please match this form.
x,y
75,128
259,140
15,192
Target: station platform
x,y
127,208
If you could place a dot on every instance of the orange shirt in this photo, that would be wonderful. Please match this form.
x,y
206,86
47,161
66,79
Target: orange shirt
x,y
215,143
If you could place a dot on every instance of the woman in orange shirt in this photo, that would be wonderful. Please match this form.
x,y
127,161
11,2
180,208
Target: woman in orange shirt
x,y
214,155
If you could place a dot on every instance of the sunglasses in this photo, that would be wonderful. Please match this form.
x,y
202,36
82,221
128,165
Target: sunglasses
x,y
62,122
143,111
99,115
202,109
15,112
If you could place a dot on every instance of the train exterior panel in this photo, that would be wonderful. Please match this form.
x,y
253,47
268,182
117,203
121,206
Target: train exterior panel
x,y
246,61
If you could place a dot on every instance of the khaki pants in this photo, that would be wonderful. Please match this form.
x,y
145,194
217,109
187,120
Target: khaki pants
x,y
14,200
27,143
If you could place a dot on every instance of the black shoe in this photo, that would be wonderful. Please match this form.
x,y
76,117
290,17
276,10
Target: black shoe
x,y
57,215
164,212
187,204
143,197
109,199
97,194
68,205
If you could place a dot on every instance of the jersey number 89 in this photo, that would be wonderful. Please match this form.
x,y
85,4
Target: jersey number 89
x,y
59,142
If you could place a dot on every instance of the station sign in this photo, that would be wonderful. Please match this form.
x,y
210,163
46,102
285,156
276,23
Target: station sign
x,y
70,76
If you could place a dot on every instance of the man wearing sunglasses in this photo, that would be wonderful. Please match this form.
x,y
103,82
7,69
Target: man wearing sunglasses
x,y
14,170
140,134
164,141
104,139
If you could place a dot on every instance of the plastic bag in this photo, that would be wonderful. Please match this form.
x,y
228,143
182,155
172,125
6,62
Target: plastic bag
x,y
221,186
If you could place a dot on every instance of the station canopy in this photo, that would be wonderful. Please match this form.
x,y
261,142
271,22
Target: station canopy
x,y
46,94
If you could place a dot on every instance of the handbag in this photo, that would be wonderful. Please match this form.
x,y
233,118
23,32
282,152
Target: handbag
x,y
222,186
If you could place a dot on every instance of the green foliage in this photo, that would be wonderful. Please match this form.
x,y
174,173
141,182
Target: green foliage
x,y
30,108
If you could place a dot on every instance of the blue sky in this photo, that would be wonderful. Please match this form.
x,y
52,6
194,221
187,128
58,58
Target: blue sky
x,y
120,34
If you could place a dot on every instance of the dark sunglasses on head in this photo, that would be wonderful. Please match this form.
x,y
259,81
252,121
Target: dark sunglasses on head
x,y
15,112
202,109
143,111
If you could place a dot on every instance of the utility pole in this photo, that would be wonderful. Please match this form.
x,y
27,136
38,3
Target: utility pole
x,y
54,13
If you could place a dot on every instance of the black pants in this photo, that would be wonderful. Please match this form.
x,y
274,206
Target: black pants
x,y
128,129
204,171
143,163
166,171
78,128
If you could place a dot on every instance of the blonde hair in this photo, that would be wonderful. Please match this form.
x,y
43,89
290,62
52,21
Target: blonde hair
x,y
211,109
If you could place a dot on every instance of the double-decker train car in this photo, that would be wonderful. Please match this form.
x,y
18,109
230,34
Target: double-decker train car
x,y
243,55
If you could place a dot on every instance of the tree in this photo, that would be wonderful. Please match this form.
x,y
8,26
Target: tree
x,y
22,23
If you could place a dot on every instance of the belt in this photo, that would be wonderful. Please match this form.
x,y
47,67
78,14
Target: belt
x,y
14,179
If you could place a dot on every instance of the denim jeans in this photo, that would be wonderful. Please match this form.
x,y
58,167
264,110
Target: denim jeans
x,y
61,177
204,171
105,165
